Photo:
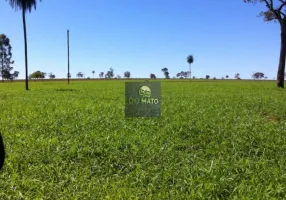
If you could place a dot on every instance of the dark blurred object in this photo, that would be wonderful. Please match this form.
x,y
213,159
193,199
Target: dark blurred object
x,y
2,152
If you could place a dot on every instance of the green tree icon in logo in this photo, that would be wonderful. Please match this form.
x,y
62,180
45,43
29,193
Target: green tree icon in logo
x,y
145,91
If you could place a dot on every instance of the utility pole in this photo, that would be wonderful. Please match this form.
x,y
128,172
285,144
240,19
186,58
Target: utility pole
x,y
68,34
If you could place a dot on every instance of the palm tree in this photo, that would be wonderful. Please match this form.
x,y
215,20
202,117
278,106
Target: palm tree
x,y
190,60
93,73
24,5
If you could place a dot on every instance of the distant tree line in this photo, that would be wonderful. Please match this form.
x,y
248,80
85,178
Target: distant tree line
x,y
7,74
183,74
275,11
110,74
37,75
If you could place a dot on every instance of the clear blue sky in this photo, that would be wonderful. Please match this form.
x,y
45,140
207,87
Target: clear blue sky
x,y
225,37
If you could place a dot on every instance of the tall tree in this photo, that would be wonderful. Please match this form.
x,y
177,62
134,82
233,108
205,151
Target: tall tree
x,y
52,76
275,11
79,75
24,5
167,76
166,73
5,56
109,73
152,76
190,60
101,74
93,73
127,74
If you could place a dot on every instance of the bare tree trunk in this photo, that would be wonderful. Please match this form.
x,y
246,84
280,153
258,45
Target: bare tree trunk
x,y
190,71
2,63
281,66
26,48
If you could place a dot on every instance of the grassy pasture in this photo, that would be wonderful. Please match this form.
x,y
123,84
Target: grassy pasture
x,y
214,140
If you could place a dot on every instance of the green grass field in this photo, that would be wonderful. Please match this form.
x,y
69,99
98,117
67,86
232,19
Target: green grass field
x,y
214,140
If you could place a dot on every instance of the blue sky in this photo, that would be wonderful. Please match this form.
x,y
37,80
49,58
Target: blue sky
x,y
144,36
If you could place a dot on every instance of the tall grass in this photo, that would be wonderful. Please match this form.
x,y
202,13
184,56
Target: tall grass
x,y
214,140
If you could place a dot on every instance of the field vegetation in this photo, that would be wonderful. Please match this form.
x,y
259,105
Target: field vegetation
x,y
214,140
